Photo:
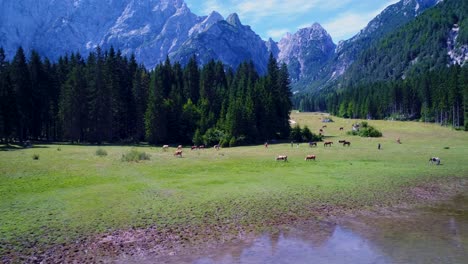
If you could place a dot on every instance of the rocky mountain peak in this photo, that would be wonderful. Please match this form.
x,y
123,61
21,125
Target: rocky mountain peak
x,y
272,47
305,50
206,23
234,20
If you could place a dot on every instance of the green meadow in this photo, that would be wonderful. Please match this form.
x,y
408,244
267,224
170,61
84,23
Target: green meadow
x,y
69,192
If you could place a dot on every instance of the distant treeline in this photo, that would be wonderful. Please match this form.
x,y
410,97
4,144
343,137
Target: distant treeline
x,y
439,96
110,98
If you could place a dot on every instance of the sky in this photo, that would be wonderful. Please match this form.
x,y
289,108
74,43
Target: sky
x,y
274,18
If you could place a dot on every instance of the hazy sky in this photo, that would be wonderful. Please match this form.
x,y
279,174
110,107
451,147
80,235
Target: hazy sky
x,y
273,18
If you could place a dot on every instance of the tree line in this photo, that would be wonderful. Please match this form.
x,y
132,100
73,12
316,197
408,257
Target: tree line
x,y
107,97
440,96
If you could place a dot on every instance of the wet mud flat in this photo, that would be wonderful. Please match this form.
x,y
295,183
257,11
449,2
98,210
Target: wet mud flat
x,y
433,229
435,233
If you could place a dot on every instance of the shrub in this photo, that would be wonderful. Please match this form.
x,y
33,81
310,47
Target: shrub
x,y
296,133
101,152
369,131
35,156
365,130
135,156
213,136
233,142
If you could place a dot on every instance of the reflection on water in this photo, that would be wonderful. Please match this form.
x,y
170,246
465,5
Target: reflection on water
x,y
342,247
428,235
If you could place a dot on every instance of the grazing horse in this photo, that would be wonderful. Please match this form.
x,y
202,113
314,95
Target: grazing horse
x,y
347,143
194,148
216,147
312,144
165,147
328,143
434,160
179,147
282,157
341,128
201,147
310,157
178,153
324,126
321,130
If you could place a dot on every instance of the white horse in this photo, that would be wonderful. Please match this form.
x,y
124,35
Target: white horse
x,y
434,160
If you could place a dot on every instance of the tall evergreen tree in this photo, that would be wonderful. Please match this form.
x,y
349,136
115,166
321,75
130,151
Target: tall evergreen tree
x,y
24,94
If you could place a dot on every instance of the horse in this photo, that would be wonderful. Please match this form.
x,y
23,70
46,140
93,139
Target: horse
x,y
321,130
434,160
309,157
341,128
194,148
179,147
341,141
347,143
201,146
216,147
282,157
328,143
178,153
324,126
165,147
312,144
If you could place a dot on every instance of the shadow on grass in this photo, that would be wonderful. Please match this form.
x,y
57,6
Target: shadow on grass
x,y
9,147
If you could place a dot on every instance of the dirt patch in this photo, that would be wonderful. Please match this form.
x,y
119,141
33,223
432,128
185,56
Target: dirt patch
x,y
176,240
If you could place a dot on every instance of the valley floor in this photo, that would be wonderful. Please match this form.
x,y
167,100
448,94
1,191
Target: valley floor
x,y
72,205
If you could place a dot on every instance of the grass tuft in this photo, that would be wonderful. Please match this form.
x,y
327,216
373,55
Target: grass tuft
x,y
135,156
101,152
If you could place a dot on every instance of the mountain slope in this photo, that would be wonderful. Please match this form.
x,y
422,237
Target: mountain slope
x,y
437,38
389,20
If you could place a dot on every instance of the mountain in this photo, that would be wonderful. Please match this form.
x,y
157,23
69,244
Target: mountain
x,y
436,39
346,52
151,29
306,51
226,40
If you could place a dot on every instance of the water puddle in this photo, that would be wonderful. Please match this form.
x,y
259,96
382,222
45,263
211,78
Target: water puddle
x,y
435,234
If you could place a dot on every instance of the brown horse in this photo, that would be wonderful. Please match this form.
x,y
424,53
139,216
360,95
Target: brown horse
x,y
194,148
324,126
327,144
178,153
282,157
347,143
310,157
341,128
312,144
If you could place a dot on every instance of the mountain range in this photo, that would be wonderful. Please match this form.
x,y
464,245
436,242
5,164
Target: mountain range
x,y
156,29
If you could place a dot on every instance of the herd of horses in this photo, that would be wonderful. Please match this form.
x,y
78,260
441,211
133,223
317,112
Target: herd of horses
x,y
179,151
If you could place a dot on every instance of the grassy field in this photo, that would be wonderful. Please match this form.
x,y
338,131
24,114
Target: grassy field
x,y
70,193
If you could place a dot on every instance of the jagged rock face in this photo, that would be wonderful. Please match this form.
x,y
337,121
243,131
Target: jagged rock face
x,y
272,47
306,51
151,29
227,40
